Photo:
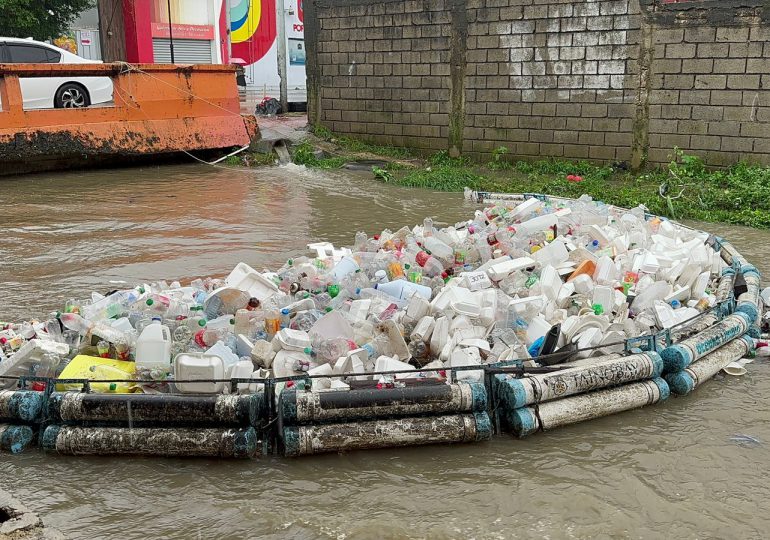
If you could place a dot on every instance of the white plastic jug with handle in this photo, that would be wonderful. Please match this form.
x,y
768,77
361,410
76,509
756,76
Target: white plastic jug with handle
x,y
153,348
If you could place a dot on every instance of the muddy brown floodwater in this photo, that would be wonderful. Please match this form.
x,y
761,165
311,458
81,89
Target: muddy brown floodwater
x,y
666,471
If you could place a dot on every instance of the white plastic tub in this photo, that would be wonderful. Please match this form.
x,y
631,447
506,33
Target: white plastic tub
x,y
245,278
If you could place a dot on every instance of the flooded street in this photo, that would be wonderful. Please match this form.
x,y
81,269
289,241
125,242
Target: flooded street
x,y
666,471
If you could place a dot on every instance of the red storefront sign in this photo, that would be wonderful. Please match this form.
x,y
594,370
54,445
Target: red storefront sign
x,y
183,31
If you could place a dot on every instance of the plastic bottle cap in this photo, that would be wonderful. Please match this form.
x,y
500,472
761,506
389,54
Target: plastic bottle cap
x,y
598,309
202,322
113,387
290,262
141,290
285,311
328,309
150,301
308,350
232,321
158,319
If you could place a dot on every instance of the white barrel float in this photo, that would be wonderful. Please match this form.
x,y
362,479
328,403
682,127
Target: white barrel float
x,y
371,434
15,439
23,405
302,407
156,441
680,355
552,414
158,409
515,393
687,380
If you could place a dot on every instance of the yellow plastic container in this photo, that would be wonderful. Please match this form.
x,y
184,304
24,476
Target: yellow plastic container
x,y
94,368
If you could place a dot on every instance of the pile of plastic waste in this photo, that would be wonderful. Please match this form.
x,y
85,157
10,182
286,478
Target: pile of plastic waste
x,y
522,280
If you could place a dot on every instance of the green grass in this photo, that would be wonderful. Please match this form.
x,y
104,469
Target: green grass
x,y
685,189
251,159
358,146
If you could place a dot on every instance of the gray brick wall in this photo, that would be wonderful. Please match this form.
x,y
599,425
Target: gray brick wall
x,y
603,80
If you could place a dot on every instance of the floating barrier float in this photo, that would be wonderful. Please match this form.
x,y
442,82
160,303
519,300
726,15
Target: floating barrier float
x,y
365,401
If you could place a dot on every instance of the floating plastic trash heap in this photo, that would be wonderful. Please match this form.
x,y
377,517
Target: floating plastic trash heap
x,y
538,312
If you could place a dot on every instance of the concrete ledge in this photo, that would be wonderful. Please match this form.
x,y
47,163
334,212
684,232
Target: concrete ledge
x,y
17,522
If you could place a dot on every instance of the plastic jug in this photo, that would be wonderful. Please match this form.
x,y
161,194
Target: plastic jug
x,y
153,348
197,366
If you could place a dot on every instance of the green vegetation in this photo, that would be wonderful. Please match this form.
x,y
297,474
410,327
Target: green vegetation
x,y
685,189
357,146
305,154
40,19
251,159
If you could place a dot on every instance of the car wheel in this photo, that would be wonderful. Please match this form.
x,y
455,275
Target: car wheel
x,y
71,96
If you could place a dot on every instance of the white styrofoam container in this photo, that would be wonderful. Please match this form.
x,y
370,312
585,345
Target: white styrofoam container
x,y
199,366
245,278
293,340
31,353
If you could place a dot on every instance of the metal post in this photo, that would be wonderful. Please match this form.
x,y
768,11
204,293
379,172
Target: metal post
x,y
282,64
170,33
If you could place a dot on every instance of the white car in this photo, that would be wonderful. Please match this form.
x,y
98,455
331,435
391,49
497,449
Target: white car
x,y
58,92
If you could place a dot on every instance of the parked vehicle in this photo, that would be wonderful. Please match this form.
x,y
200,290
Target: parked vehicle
x,y
58,92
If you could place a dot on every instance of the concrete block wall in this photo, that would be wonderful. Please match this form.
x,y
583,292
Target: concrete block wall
x,y
604,80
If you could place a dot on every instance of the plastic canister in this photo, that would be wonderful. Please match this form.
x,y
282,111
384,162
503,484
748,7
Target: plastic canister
x,y
153,348
347,265
229,358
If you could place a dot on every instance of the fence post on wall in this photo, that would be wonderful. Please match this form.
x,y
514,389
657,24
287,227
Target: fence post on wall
x,y
457,63
641,126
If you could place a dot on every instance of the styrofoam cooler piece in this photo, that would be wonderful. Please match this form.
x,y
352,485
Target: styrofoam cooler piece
x,y
538,327
397,343
605,272
31,353
504,269
284,361
199,366
423,329
262,353
679,293
605,297
550,282
552,254
229,358
243,345
401,289
469,356
539,223
466,303
243,277
417,308
242,370
475,281
292,340
359,309
521,305
583,284
700,285
526,208
440,335
346,266
668,317
387,363
331,326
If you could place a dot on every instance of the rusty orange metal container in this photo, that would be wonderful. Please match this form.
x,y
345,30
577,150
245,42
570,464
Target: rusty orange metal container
x,y
158,109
